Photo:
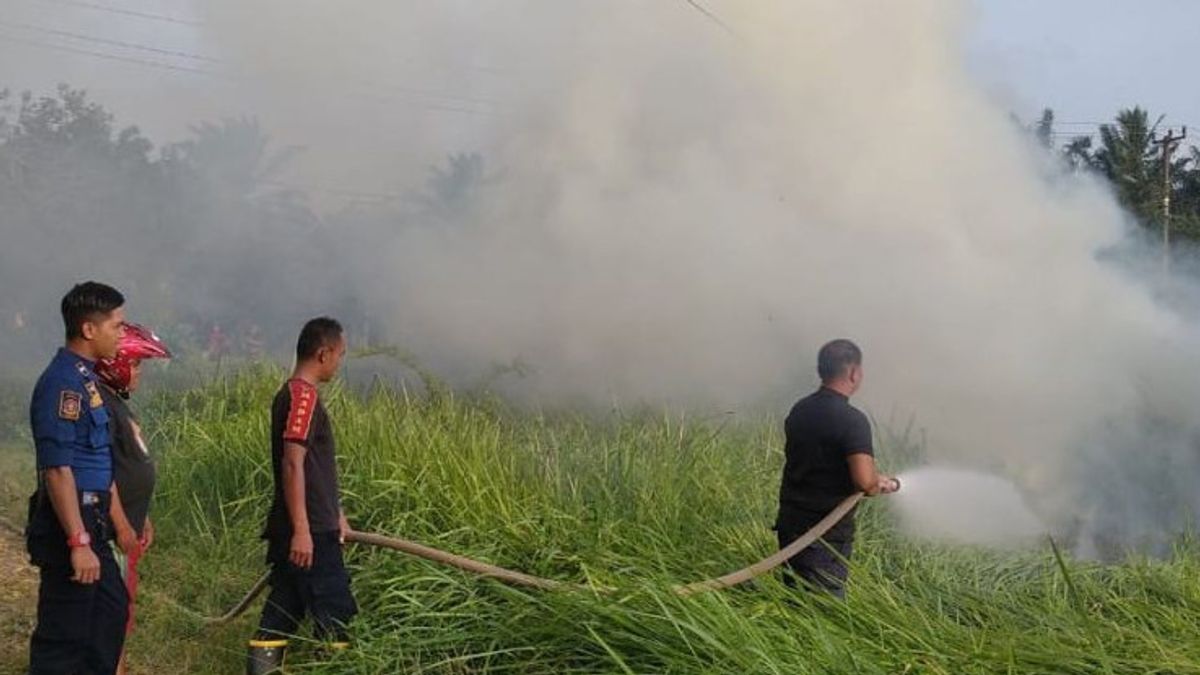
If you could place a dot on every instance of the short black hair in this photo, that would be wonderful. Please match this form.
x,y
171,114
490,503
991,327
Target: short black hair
x,y
836,357
319,332
84,302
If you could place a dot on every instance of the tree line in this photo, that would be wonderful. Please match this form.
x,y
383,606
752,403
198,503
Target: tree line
x,y
204,232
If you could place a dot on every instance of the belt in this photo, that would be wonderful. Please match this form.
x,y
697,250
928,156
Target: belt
x,y
91,498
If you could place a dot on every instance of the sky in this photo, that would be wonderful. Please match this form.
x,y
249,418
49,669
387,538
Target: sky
x,y
1086,59
46,42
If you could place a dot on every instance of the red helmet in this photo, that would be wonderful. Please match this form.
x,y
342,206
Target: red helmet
x,y
137,343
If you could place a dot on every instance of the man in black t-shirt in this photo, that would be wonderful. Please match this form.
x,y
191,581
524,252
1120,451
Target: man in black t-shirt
x,y
305,526
829,456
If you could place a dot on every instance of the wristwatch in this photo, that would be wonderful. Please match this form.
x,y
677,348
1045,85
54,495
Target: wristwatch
x,y
80,538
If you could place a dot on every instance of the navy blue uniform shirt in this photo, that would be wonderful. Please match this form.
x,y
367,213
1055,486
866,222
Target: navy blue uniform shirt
x,y
70,423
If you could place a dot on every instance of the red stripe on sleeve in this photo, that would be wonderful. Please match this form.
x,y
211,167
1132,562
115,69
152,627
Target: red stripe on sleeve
x,y
300,413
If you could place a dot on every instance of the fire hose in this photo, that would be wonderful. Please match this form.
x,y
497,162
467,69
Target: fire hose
x,y
521,579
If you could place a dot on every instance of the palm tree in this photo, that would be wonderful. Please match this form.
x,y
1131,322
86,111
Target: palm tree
x,y
235,157
1185,203
1131,161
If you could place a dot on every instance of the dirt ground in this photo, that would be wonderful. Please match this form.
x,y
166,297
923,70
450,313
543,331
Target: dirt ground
x,y
18,600
19,583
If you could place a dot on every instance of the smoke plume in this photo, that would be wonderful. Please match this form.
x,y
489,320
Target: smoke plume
x,y
669,208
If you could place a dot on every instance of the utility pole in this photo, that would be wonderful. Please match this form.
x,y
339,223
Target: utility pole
x,y
1168,143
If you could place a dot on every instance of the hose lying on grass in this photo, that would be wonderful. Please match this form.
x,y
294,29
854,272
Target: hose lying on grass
x,y
520,579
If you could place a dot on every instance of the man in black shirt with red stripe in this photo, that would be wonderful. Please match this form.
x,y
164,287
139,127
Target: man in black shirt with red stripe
x,y
306,526
829,456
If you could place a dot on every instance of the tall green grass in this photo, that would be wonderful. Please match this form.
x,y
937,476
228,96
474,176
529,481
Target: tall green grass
x,y
635,500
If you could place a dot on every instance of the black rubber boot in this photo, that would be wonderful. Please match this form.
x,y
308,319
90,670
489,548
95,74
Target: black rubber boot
x,y
265,656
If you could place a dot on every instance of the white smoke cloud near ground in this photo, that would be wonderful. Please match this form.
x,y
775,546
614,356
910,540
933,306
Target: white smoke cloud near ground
x,y
684,215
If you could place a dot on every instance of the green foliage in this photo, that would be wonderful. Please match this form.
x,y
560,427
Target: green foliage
x,y
1132,163
14,409
181,230
184,228
1129,159
637,502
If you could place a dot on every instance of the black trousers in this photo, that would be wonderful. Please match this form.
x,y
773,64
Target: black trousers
x,y
821,566
322,591
80,627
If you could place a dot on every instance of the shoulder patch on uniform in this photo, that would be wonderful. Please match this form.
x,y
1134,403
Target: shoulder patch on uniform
x,y
69,403
300,413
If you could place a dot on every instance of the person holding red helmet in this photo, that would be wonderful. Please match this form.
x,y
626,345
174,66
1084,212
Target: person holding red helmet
x,y
133,467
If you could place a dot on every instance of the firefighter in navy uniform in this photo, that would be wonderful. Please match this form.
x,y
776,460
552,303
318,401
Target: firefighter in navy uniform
x,y
81,608
306,526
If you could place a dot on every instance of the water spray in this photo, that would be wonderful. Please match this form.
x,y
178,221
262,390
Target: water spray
x,y
965,507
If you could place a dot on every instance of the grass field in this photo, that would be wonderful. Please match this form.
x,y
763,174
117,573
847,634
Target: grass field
x,y
637,500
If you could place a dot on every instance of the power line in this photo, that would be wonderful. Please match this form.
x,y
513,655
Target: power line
x,y
695,4
233,77
111,57
423,104
491,70
124,12
106,41
345,192
448,103
1112,123
367,83
427,93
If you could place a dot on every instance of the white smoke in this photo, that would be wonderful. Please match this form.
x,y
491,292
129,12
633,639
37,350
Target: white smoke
x,y
672,211
683,214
